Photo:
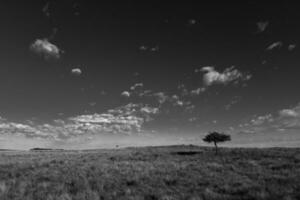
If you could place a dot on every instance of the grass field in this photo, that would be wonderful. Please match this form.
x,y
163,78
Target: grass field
x,y
150,173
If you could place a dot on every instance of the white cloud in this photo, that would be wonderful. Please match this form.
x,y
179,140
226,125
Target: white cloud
x,y
190,108
76,71
289,113
105,123
262,119
145,93
125,119
45,49
176,101
137,85
284,120
125,94
128,119
289,118
211,76
149,110
161,97
275,45
197,91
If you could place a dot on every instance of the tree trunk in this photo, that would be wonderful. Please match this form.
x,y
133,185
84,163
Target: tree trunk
x,y
216,146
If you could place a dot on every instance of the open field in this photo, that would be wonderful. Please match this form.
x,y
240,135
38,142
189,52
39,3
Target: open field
x,y
150,173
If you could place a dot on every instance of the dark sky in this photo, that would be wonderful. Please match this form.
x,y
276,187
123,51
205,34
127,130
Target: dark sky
x,y
73,71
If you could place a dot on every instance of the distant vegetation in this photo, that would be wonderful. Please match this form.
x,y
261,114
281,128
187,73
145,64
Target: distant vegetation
x,y
216,137
45,149
151,173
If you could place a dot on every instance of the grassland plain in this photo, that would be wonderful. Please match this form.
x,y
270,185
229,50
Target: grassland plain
x,y
150,173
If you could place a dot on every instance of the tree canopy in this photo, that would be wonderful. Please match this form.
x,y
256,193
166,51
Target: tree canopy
x,y
216,137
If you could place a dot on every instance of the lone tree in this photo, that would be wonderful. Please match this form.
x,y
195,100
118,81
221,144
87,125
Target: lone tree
x,y
216,137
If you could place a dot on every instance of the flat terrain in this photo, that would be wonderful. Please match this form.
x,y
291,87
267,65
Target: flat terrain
x,y
150,173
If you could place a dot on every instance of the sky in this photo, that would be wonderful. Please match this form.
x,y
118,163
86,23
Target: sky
x,y
84,74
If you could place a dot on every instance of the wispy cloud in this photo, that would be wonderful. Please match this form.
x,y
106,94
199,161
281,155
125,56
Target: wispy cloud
x,y
155,49
161,97
275,45
128,119
262,26
291,47
197,91
46,9
262,119
192,21
149,48
233,101
285,119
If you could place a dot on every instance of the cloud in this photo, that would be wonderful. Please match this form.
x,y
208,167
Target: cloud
x,y
147,48
275,45
192,119
283,120
143,48
137,85
149,110
289,113
233,101
46,9
76,71
289,118
175,100
247,132
103,92
127,119
92,103
22,129
161,97
211,76
262,26
124,119
190,108
262,119
154,49
192,21
109,123
125,94
183,90
197,91
44,48
145,93
291,47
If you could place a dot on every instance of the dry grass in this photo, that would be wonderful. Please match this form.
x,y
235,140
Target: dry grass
x,y
166,173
